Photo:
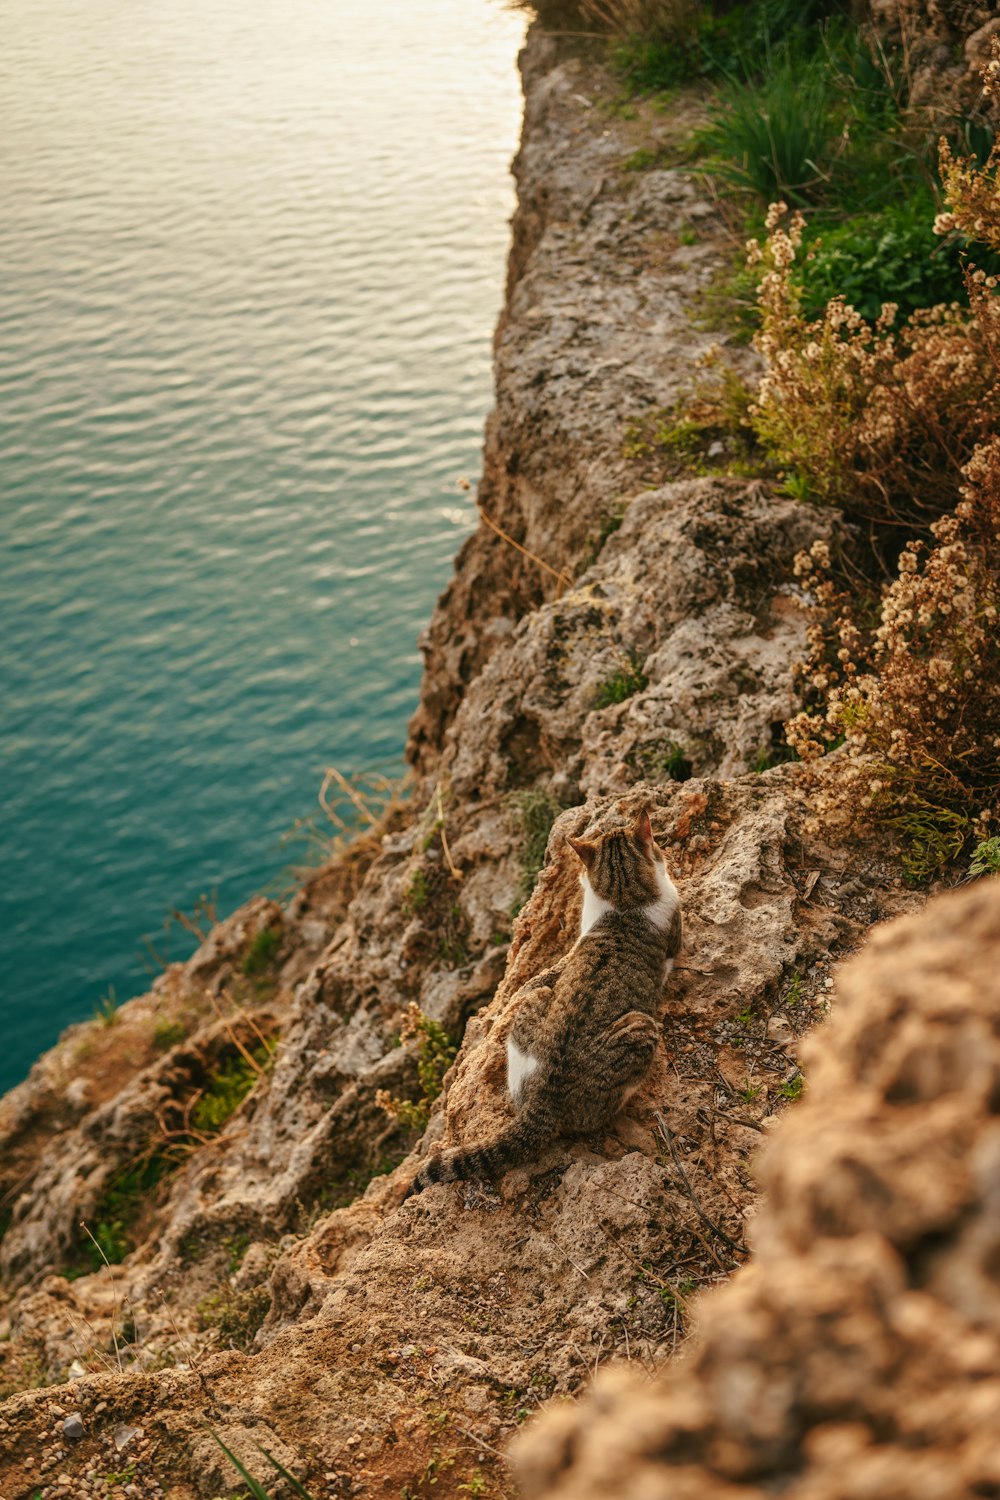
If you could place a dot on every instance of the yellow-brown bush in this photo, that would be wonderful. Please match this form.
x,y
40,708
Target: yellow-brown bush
x,y
919,697
875,419
915,697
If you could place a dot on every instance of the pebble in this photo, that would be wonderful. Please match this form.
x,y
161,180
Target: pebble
x,y
73,1426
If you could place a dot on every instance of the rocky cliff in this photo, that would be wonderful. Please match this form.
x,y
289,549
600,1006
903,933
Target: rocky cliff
x,y
612,637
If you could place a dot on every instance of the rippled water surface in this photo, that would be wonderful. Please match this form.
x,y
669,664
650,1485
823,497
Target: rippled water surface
x,y
251,255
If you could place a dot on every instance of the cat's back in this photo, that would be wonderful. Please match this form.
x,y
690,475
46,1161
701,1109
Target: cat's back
x,y
617,966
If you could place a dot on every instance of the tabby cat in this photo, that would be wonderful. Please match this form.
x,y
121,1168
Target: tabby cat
x,y
586,1031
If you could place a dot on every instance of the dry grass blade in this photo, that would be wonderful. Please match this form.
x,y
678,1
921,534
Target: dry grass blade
x,y
114,1293
233,1035
689,1192
359,802
564,579
453,868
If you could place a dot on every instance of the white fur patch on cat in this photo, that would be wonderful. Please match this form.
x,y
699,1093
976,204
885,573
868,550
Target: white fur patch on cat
x,y
660,913
594,906
520,1065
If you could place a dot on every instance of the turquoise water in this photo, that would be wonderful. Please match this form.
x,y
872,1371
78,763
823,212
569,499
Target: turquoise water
x,y
252,254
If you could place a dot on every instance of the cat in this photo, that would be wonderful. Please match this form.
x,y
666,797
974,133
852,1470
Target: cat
x,y
586,1030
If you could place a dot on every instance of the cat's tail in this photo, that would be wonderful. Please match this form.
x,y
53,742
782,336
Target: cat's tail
x,y
518,1142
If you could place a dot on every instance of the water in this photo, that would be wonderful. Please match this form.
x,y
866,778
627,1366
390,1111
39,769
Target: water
x,y
252,254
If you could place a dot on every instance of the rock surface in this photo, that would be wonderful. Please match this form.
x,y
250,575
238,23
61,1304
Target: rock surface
x,y
860,1354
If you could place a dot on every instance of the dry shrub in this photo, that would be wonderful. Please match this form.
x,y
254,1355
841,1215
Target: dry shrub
x,y
875,419
656,20
915,699
973,194
919,697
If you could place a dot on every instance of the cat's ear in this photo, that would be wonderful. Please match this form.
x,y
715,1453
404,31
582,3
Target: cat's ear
x,y
642,829
584,848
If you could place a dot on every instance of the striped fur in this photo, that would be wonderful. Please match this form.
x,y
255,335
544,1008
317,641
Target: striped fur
x,y
592,1023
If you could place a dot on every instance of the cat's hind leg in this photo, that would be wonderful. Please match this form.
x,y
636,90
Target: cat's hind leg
x,y
621,1058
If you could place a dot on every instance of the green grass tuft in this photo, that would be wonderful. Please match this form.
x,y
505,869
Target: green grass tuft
x,y
537,810
986,858
631,679
227,1087
257,1490
262,952
106,1009
167,1034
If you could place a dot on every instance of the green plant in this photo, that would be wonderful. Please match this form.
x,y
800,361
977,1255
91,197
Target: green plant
x,y
435,1054
236,1249
537,810
658,47
610,523
661,759
451,944
642,160
167,1034
986,858
236,1316
417,893
933,835
435,1469
623,684
776,753
262,951
888,254
257,1490
228,1085
675,763
130,1189
875,419
193,1247
776,138
116,1477
106,1009
792,1087
119,1207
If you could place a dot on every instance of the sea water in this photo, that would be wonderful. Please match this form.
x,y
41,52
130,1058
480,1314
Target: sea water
x,y
251,256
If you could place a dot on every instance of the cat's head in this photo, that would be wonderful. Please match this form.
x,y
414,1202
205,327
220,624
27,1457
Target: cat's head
x,y
624,866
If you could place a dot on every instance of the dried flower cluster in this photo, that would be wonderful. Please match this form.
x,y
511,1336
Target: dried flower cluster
x,y
915,699
919,697
877,420
973,192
